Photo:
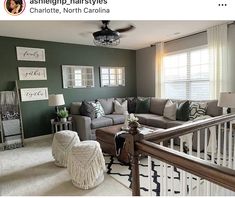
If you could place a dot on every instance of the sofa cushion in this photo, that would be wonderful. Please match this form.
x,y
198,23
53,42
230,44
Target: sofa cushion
x,y
157,121
143,118
170,110
182,112
120,108
120,100
213,109
142,105
197,109
87,109
101,122
174,123
131,104
107,105
117,119
99,111
75,108
157,106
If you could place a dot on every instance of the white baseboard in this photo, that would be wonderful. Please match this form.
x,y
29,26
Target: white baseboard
x,y
32,139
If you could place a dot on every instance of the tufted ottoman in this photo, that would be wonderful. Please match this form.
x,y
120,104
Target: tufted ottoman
x,y
62,143
86,164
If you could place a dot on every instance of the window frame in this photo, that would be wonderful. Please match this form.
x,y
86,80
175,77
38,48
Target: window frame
x,y
116,79
66,79
188,80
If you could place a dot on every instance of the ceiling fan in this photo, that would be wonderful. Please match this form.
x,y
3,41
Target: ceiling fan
x,y
108,37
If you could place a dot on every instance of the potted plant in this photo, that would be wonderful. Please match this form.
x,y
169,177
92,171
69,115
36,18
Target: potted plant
x,y
63,114
133,121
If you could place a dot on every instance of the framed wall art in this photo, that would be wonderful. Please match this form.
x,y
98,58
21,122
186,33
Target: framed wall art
x,y
30,54
32,73
34,94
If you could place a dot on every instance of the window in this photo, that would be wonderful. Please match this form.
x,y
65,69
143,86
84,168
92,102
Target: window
x,y
78,76
112,76
186,75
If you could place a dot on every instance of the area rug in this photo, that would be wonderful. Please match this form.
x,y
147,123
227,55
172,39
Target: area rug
x,y
122,173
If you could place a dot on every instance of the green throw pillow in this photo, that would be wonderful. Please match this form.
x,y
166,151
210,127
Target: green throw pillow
x,y
182,112
142,106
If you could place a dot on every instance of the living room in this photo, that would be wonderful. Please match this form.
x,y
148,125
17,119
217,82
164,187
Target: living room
x,y
139,57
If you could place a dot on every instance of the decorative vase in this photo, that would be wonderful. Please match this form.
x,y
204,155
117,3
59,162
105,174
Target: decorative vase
x,y
133,127
63,119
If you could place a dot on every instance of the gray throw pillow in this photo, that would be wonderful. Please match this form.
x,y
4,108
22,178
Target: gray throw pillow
x,y
87,109
107,105
170,110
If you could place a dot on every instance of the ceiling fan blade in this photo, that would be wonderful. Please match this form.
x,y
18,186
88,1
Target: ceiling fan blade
x,y
121,30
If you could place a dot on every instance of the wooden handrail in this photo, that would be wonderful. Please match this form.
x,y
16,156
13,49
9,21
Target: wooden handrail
x,y
188,128
136,144
217,174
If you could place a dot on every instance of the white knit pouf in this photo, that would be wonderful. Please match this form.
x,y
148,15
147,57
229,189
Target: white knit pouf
x,y
86,164
62,143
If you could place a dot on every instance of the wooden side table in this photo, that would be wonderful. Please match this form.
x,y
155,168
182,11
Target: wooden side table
x,y
59,126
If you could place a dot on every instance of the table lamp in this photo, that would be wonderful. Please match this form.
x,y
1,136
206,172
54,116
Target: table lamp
x,y
227,99
56,100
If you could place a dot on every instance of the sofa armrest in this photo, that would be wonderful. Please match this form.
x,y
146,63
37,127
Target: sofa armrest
x,y
82,124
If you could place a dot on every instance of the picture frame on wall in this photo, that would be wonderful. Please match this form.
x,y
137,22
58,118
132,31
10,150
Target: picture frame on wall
x,y
30,54
34,94
32,73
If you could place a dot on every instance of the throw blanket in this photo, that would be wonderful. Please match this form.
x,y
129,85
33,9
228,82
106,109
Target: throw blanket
x,y
9,105
11,127
119,142
212,130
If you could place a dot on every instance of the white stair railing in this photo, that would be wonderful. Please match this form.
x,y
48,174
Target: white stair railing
x,y
218,148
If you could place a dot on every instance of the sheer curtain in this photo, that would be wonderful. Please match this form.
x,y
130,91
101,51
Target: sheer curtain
x,y
218,59
159,68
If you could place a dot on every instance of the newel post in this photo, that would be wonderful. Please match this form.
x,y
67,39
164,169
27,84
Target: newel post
x,y
134,136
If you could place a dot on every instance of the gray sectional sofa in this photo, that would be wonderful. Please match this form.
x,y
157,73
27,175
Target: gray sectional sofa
x,y
86,127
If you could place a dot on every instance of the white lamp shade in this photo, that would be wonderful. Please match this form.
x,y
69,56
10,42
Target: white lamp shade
x,y
227,99
56,100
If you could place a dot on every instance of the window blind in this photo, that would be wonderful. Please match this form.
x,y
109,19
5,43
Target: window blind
x,y
186,75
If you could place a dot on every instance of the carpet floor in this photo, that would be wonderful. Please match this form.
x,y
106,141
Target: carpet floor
x,y
31,171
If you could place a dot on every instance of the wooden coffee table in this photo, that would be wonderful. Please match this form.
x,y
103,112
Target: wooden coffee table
x,y
105,136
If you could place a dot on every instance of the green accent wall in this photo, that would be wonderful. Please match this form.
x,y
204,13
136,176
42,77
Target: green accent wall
x,y
37,114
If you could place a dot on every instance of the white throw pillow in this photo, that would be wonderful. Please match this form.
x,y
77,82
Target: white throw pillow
x,y
99,111
120,108
170,110
197,109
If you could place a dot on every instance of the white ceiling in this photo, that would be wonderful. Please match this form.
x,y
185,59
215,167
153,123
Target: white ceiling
x,y
80,32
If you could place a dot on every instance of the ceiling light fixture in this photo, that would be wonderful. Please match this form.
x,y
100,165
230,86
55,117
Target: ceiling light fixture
x,y
106,37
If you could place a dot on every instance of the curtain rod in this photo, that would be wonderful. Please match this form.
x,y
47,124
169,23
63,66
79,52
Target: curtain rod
x,y
231,23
